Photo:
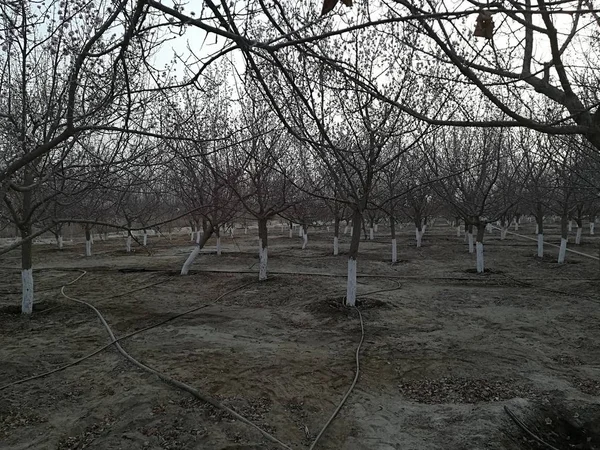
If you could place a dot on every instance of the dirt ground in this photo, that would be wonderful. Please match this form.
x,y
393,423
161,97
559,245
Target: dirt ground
x,y
445,349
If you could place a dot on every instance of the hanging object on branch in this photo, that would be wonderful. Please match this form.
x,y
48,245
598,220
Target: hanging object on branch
x,y
485,25
328,5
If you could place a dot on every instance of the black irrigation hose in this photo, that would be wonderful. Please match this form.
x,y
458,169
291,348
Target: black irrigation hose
x,y
115,341
169,380
350,389
553,291
527,430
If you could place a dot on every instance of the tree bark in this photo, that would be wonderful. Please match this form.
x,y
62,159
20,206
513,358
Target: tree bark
x,y
263,254
352,258
479,245
190,259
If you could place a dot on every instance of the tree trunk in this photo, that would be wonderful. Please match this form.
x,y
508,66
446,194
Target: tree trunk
x,y
88,242
304,236
564,233
592,224
190,259
394,242
470,237
263,254
479,245
336,236
352,257
145,241
218,234
371,230
539,229
26,268
418,230
579,223
59,240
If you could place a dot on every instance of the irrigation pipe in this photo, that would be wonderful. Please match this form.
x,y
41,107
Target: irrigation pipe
x,y
550,244
167,379
351,388
527,430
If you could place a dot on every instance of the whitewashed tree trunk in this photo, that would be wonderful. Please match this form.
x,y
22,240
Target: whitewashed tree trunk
x,y
336,246
371,235
516,225
470,241
88,247
578,236
592,228
92,238
145,241
537,229
128,244
351,285
59,241
540,245
346,229
562,251
27,284
480,264
263,258
218,245
376,227
304,240
190,259
394,251
418,236
570,226
193,255
489,228
503,232
263,254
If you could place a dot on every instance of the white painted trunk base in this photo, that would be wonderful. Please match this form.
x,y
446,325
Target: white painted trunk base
x,y
418,236
145,242
592,228
371,235
540,245
578,236
197,237
59,242
470,241
27,284
537,229
516,226
394,251
351,284
480,264
263,258
291,232
562,252
190,259
304,240
346,229
503,232
336,246
88,248
91,238
218,245
128,244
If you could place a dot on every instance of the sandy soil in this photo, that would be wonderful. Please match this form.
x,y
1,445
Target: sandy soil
x,y
445,349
